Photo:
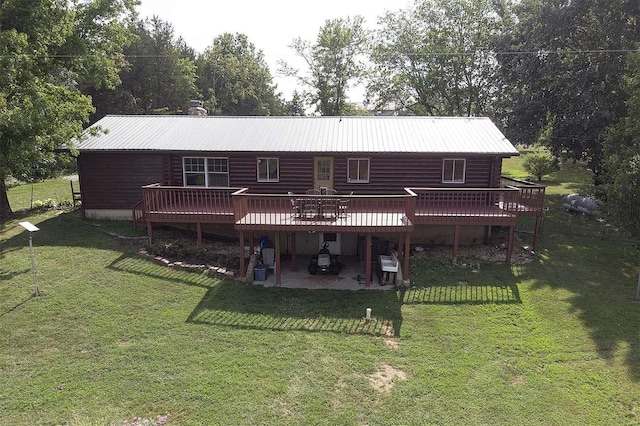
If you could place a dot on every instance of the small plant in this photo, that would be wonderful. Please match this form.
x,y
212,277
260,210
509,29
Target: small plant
x,y
47,203
540,163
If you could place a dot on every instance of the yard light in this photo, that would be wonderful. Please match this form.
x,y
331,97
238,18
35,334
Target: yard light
x,y
368,315
32,228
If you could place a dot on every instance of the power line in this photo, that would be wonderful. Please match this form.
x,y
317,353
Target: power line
x,y
540,52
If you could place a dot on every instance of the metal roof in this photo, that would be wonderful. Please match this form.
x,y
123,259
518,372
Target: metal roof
x,y
444,135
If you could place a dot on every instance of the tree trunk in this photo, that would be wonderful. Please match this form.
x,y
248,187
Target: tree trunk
x,y
5,208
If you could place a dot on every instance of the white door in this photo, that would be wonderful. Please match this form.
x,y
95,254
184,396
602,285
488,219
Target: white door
x,y
333,239
323,172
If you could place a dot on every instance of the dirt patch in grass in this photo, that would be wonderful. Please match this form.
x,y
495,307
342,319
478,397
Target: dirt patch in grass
x,y
391,343
384,380
518,381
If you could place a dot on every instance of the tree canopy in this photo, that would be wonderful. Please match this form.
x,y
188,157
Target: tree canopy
x,y
159,78
334,62
621,176
49,51
563,65
234,79
436,58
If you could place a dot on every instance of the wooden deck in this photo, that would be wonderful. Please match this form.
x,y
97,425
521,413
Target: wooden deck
x,y
341,213
323,213
366,214
465,206
187,205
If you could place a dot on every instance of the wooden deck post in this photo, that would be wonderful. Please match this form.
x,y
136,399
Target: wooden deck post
x,y
407,254
293,250
510,243
456,238
536,232
367,266
150,231
199,233
278,260
487,234
242,265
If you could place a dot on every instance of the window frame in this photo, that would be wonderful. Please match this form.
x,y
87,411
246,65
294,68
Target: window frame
x,y
267,179
206,172
453,180
358,160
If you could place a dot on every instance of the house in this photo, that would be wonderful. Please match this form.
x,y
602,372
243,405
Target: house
x,y
397,179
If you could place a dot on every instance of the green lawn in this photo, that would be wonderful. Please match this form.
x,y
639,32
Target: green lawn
x,y
553,342
57,189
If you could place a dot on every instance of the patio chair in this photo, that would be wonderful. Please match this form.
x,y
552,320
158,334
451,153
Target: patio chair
x,y
269,257
330,208
343,206
313,191
295,206
309,207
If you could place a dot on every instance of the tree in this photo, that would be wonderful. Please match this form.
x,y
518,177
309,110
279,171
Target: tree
x,y
620,190
539,163
234,79
562,66
436,58
295,107
333,62
48,50
160,77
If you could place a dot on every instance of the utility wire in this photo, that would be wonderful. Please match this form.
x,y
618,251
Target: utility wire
x,y
540,52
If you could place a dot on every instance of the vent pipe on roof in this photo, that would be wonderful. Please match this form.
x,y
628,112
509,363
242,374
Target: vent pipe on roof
x,y
195,108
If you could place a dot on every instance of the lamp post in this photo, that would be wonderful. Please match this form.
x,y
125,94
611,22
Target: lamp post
x,y
32,228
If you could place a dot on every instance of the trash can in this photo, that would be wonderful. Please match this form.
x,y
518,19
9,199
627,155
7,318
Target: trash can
x,y
260,272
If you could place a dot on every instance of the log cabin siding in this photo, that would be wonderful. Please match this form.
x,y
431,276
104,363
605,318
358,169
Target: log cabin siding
x,y
114,180
389,173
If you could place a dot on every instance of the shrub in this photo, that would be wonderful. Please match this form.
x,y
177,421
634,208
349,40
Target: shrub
x,y
540,163
47,203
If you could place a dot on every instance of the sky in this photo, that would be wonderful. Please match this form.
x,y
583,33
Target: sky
x,y
270,25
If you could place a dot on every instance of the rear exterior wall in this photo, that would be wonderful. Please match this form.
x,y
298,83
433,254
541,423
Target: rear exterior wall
x,y
114,180
389,173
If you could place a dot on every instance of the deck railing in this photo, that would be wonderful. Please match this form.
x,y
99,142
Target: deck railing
x,y
301,211
179,204
530,198
464,205
137,212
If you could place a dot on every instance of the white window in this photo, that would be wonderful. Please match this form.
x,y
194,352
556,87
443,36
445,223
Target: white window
x,y
358,170
205,171
453,170
268,170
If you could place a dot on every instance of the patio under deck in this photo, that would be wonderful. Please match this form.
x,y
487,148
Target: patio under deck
x,y
365,214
